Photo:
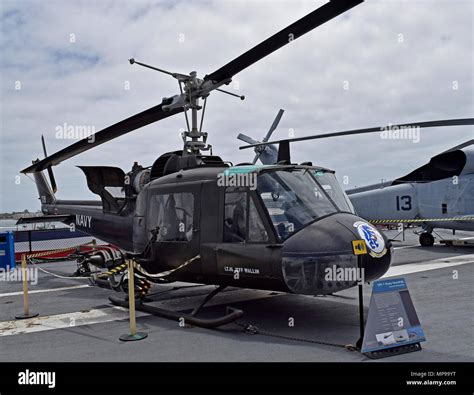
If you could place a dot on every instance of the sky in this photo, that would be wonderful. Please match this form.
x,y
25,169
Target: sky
x,y
65,64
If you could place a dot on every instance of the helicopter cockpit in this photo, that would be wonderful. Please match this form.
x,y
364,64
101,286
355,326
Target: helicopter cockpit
x,y
296,197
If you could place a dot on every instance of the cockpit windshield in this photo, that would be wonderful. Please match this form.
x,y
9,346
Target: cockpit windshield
x,y
330,184
293,199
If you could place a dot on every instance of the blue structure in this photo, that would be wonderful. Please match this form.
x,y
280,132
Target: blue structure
x,y
7,250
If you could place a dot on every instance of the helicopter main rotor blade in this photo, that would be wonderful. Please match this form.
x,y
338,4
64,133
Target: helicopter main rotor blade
x,y
136,121
300,27
428,124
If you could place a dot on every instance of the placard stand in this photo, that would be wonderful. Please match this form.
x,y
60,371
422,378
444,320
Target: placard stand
x,y
390,352
393,327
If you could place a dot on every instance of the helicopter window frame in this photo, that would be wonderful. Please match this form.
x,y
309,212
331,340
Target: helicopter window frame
x,y
251,198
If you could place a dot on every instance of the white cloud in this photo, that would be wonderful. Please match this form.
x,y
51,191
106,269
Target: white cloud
x,y
82,82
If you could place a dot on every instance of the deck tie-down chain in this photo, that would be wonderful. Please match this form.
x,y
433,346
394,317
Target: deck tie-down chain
x,y
254,330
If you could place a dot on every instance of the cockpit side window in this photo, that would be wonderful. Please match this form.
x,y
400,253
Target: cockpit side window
x,y
242,222
235,217
173,215
257,231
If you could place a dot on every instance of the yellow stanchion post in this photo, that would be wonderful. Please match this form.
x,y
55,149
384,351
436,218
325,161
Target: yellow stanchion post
x,y
133,335
26,306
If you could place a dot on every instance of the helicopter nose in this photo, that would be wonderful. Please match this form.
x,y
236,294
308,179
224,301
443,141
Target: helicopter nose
x,y
319,259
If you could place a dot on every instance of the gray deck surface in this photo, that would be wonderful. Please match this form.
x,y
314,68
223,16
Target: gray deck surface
x,y
444,305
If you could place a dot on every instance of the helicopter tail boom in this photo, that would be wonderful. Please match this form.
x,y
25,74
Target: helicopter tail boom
x,y
87,216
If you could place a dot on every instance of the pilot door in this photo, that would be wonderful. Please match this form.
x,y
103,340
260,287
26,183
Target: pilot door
x,y
247,254
175,215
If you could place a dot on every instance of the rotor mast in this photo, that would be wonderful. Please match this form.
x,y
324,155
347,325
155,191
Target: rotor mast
x,y
197,136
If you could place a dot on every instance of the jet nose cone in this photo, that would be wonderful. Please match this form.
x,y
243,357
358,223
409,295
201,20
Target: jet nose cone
x,y
319,259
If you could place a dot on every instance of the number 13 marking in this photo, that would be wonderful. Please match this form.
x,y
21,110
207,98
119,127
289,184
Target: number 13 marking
x,y
404,203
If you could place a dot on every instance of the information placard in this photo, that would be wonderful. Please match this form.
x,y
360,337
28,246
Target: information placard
x,y
392,320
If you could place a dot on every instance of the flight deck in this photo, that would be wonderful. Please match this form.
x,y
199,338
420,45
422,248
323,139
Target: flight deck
x,y
76,321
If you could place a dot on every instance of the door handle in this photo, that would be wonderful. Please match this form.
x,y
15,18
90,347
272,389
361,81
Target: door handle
x,y
274,246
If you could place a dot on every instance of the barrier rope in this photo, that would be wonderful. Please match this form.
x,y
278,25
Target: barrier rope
x,y
419,220
30,259
58,275
167,272
115,270
143,285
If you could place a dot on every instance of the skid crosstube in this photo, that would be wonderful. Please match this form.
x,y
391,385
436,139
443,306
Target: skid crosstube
x,y
231,316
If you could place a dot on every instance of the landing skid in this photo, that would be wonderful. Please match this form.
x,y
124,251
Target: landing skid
x,y
191,319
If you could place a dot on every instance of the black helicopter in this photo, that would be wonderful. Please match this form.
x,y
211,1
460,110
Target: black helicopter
x,y
194,217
